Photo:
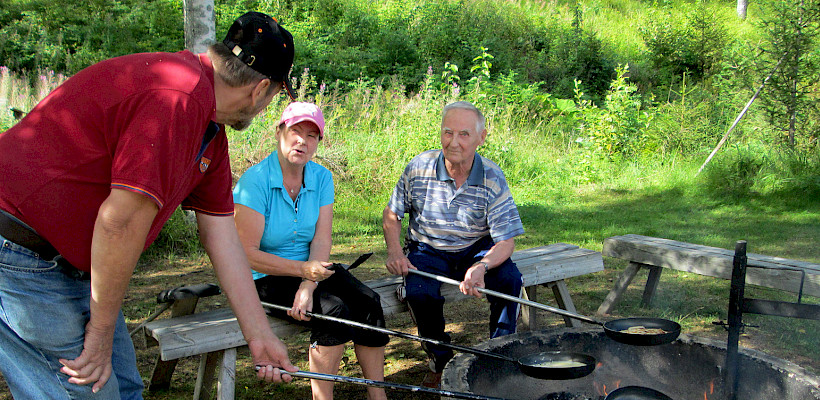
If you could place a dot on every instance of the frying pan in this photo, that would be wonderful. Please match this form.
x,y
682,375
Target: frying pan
x,y
636,393
614,329
389,385
547,365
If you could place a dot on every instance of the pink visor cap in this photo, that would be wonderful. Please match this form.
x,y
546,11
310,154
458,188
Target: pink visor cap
x,y
298,112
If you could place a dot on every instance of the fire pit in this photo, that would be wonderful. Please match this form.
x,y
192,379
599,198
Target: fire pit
x,y
690,368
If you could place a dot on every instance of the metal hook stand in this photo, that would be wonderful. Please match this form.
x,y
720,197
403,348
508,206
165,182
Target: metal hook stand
x,y
738,305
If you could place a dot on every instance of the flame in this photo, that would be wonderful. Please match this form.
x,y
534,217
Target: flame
x,y
601,388
710,391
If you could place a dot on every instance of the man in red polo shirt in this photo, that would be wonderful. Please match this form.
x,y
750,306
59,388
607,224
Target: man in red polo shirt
x,y
88,178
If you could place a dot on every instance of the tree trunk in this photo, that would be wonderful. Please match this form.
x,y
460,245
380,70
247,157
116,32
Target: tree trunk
x,y
741,8
200,26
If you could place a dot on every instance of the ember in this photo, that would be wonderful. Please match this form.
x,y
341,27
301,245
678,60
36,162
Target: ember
x,y
568,396
688,369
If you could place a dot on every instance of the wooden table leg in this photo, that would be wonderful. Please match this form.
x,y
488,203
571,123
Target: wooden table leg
x,y
226,385
205,374
620,287
562,297
528,315
651,285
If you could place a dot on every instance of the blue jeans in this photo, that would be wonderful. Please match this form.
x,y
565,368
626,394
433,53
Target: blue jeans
x,y
426,303
43,313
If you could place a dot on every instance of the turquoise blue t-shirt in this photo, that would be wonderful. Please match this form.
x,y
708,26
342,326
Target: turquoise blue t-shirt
x,y
289,226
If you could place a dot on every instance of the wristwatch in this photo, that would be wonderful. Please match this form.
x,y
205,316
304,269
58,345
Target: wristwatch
x,y
486,266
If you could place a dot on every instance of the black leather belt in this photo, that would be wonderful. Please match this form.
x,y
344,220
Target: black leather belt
x,y
15,231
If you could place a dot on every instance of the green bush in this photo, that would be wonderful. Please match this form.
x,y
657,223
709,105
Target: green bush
x,y
732,175
792,174
691,44
68,36
617,130
179,237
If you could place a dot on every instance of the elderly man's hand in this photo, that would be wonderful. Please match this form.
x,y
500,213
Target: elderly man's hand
x,y
473,279
398,264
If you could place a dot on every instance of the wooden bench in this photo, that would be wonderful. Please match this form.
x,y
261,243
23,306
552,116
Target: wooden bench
x,y
654,254
215,335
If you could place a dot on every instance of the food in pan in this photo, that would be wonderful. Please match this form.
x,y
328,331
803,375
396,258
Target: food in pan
x,y
642,330
560,364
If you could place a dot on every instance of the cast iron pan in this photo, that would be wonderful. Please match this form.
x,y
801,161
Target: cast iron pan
x,y
615,332
538,365
636,393
615,329
547,365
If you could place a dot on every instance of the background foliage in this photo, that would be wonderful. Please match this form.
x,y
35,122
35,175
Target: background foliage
x,y
568,86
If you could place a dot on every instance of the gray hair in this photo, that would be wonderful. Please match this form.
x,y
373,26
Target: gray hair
x,y
232,70
466,105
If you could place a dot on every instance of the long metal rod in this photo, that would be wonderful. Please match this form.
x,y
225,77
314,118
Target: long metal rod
x,y
152,317
396,333
510,298
389,385
739,116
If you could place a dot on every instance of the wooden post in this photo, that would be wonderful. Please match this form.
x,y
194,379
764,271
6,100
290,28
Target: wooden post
x,y
735,319
200,26
742,5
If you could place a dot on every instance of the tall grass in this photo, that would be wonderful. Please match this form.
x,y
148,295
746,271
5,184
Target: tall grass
x,y
18,93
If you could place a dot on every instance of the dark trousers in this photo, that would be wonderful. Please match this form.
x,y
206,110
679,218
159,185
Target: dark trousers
x,y
427,304
341,296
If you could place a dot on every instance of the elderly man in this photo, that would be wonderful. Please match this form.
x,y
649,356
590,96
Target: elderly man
x,y
89,177
463,222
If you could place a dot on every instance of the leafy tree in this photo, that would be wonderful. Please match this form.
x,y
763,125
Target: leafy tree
x,y
693,45
618,129
66,36
790,47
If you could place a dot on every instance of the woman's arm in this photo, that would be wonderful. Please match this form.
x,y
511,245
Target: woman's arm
x,y
322,242
319,251
251,225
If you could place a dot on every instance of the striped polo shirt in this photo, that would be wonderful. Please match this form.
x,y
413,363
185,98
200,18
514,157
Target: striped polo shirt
x,y
450,218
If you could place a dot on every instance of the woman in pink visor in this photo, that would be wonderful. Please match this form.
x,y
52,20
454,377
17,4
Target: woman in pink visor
x,y
284,214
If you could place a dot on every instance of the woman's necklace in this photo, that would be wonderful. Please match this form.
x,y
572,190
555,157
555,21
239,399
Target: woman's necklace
x,y
291,191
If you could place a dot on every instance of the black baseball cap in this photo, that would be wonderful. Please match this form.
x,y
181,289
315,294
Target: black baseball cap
x,y
261,43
